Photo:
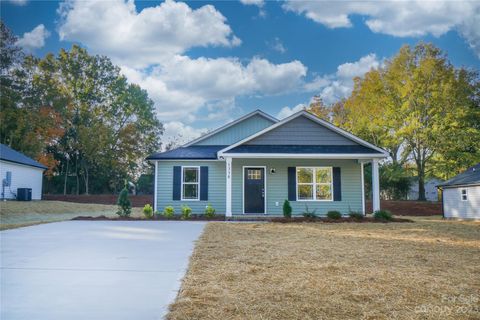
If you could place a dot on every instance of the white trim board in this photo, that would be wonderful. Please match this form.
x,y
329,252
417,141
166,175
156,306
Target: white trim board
x,y
304,155
313,118
155,188
264,187
228,125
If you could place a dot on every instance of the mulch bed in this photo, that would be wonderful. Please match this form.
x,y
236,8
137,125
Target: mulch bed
x,y
253,219
342,220
156,218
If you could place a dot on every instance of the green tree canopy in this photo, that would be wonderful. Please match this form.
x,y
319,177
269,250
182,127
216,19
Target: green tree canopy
x,y
421,109
78,114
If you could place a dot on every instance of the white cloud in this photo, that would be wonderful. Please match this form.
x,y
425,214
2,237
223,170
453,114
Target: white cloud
x,y
398,18
258,3
339,85
178,132
470,30
150,46
277,45
139,39
18,2
34,39
181,86
287,111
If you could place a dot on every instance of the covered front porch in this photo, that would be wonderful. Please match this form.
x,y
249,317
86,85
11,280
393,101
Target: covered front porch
x,y
259,185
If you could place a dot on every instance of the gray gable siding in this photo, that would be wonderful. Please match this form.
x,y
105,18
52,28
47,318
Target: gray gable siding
x,y
237,132
301,131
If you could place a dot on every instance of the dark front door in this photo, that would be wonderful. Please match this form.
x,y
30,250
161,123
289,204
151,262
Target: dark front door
x,y
254,190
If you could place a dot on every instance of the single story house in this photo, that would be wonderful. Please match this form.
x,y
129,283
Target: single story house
x,y
19,171
431,192
255,163
461,195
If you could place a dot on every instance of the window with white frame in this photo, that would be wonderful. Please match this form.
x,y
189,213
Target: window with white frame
x,y
464,194
190,183
314,184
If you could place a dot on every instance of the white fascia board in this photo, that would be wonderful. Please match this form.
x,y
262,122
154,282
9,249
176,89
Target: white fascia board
x,y
315,119
303,155
22,165
197,160
228,125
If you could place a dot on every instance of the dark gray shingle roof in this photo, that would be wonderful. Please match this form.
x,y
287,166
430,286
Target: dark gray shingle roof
x,y
8,154
470,176
192,152
335,149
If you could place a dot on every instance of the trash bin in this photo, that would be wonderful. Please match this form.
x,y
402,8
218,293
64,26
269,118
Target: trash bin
x,y
24,194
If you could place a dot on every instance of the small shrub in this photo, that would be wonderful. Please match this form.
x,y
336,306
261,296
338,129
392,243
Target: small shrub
x,y
186,212
123,202
335,215
287,209
209,211
357,215
148,211
309,214
169,212
382,215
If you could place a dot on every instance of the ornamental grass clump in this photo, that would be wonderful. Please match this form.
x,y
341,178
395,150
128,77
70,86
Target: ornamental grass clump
x,y
209,211
148,211
356,215
383,215
186,212
335,215
309,214
169,212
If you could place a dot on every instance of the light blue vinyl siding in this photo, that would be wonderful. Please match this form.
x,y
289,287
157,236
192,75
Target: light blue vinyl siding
x,y
301,131
277,185
216,186
237,132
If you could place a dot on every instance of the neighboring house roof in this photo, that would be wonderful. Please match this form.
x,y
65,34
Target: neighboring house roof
x,y
301,149
192,153
470,177
314,118
230,124
10,155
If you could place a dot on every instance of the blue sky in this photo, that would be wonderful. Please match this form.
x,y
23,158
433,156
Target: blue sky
x,y
206,63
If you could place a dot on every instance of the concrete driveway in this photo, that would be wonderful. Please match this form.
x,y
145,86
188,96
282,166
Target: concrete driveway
x,y
94,269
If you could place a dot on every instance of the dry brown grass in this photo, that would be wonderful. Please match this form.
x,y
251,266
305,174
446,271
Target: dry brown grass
x,y
424,270
15,214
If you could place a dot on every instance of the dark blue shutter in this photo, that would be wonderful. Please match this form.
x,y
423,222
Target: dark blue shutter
x,y
177,182
337,185
292,184
204,183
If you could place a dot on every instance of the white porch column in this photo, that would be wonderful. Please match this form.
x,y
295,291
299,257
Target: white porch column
x,y
363,188
155,195
228,172
375,186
